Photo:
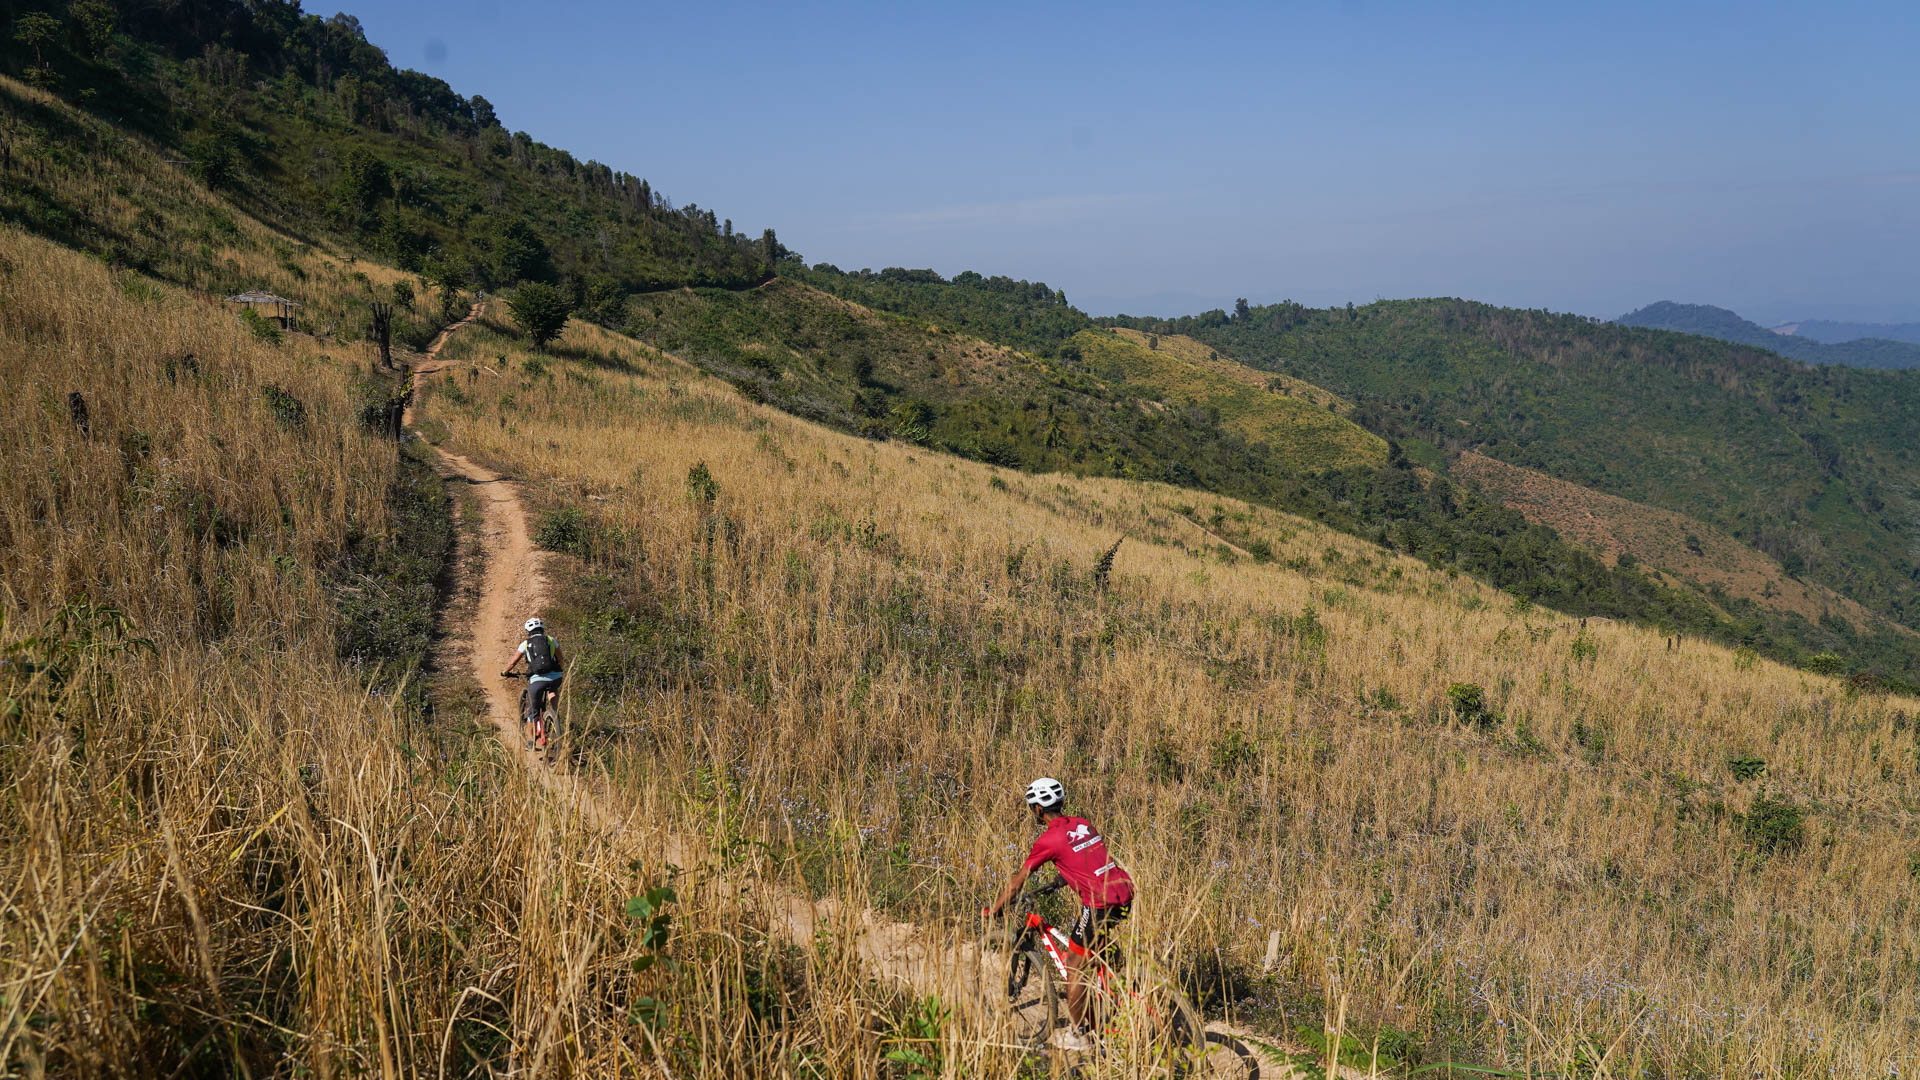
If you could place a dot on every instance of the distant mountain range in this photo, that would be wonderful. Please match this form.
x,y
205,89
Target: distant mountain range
x,y
1834,333
1717,322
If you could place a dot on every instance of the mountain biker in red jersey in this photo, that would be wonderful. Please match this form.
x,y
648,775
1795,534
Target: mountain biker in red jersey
x,y
1075,848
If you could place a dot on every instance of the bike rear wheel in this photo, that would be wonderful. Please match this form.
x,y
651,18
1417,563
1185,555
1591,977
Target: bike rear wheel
x,y
1018,984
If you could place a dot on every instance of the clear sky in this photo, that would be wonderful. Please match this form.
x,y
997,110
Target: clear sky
x,y
1163,159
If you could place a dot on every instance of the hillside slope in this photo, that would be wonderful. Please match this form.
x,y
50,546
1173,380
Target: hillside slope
x,y
1815,467
1716,322
1692,550
842,647
1299,423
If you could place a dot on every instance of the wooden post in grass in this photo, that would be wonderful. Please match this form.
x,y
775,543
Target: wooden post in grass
x,y
383,331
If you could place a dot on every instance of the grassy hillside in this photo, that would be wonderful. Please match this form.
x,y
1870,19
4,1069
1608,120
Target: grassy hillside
x,y
1692,550
1717,322
87,184
1813,466
1482,832
1298,421
303,123
229,856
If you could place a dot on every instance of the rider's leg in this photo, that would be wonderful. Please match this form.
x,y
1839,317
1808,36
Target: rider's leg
x,y
541,693
1076,989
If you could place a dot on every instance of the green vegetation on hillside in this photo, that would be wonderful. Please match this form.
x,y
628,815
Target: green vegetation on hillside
x,y
1110,405
306,126
304,123
1304,436
1025,314
1814,466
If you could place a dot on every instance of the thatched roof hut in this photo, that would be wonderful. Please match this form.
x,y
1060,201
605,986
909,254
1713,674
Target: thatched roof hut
x,y
267,305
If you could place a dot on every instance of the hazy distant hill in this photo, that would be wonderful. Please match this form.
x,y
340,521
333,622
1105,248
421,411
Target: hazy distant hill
x,y
1718,322
1834,333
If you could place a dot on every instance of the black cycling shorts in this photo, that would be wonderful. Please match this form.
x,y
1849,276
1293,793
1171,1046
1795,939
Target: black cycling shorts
x,y
1090,930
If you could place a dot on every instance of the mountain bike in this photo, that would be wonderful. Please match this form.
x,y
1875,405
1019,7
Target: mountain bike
x,y
539,731
1139,1017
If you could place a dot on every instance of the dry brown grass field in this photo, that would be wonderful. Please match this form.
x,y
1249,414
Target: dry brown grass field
x,y
811,663
220,855
850,656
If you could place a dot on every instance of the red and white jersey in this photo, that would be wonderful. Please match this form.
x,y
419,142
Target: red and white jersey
x,y
1072,845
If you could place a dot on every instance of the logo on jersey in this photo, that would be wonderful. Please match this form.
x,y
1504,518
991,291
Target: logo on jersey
x,y
1081,837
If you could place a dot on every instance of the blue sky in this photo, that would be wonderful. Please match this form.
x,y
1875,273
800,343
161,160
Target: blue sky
x,y
1169,158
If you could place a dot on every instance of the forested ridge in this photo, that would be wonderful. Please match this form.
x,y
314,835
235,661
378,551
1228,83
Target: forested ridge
x,y
302,121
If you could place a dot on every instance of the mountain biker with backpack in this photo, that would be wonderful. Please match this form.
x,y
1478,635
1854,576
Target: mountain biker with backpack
x,y
546,666
1076,850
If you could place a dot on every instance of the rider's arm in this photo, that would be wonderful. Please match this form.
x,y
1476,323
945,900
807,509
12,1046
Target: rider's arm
x,y
1012,890
518,652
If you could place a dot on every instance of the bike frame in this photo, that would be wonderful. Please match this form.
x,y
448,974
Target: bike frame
x,y
1054,940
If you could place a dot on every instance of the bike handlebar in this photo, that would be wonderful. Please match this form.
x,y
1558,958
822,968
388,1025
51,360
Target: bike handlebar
x,y
1056,885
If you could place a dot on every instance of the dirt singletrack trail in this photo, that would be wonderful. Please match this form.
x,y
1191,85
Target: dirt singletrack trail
x,y
512,586
513,580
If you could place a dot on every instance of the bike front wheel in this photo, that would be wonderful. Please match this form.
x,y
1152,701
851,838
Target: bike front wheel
x,y
1018,985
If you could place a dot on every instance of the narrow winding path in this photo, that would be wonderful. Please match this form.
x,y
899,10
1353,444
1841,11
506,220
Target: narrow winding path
x,y
512,586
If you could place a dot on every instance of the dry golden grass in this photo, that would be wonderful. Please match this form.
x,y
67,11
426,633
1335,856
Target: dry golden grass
x,y
858,653
219,855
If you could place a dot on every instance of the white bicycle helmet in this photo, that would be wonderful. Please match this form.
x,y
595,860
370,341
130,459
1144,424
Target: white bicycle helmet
x,y
1046,793
534,624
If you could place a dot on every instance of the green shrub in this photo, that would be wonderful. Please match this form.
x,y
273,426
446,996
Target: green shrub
x,y
1584,647
1774,825
259,327
1746,768
1469,704
290,411
1826,663
566,530
701,486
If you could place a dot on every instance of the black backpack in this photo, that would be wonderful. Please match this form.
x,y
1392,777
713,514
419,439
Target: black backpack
x,y
539,654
